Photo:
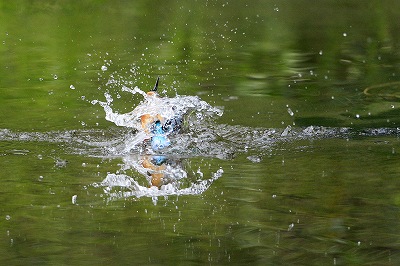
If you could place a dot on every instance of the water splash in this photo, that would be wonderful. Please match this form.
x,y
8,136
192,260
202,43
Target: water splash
x,y
164,174
164,106
191,108
119,186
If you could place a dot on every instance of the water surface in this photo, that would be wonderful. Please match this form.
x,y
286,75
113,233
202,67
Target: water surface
x,y
290,155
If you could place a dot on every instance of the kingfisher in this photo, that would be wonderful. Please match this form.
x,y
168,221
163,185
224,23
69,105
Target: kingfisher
x,y
158,126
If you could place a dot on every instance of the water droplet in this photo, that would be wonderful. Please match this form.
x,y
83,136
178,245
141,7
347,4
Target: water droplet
x,y
104,68
8,217
55,77
290,226
254,158
320,52
344,34
357,116
290,111
72,87
286,131
74,199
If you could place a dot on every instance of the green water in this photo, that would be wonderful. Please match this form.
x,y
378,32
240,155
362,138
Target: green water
x,y
322,200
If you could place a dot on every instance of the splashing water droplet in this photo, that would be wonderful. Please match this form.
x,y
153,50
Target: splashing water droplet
x,y
290,227
286,131
254,158
74,199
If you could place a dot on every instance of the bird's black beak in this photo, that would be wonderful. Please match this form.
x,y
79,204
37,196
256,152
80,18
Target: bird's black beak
x,y
156,85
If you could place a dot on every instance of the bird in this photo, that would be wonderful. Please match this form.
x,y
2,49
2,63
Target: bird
x,y
158,126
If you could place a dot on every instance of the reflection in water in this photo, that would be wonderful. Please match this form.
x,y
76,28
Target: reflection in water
x,y
162,176
156,166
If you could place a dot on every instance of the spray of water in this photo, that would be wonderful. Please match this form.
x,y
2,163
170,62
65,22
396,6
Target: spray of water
x,y
192,109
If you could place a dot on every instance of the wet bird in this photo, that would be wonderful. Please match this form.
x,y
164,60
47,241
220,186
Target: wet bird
x,y
158,126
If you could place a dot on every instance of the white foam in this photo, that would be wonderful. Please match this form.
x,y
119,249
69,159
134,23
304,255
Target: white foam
x,y
118,186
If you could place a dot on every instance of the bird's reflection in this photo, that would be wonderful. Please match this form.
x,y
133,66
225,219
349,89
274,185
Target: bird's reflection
x,y
163,170
156,166
156,175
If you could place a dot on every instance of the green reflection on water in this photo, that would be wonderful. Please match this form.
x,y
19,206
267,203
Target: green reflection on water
x,y
307,202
